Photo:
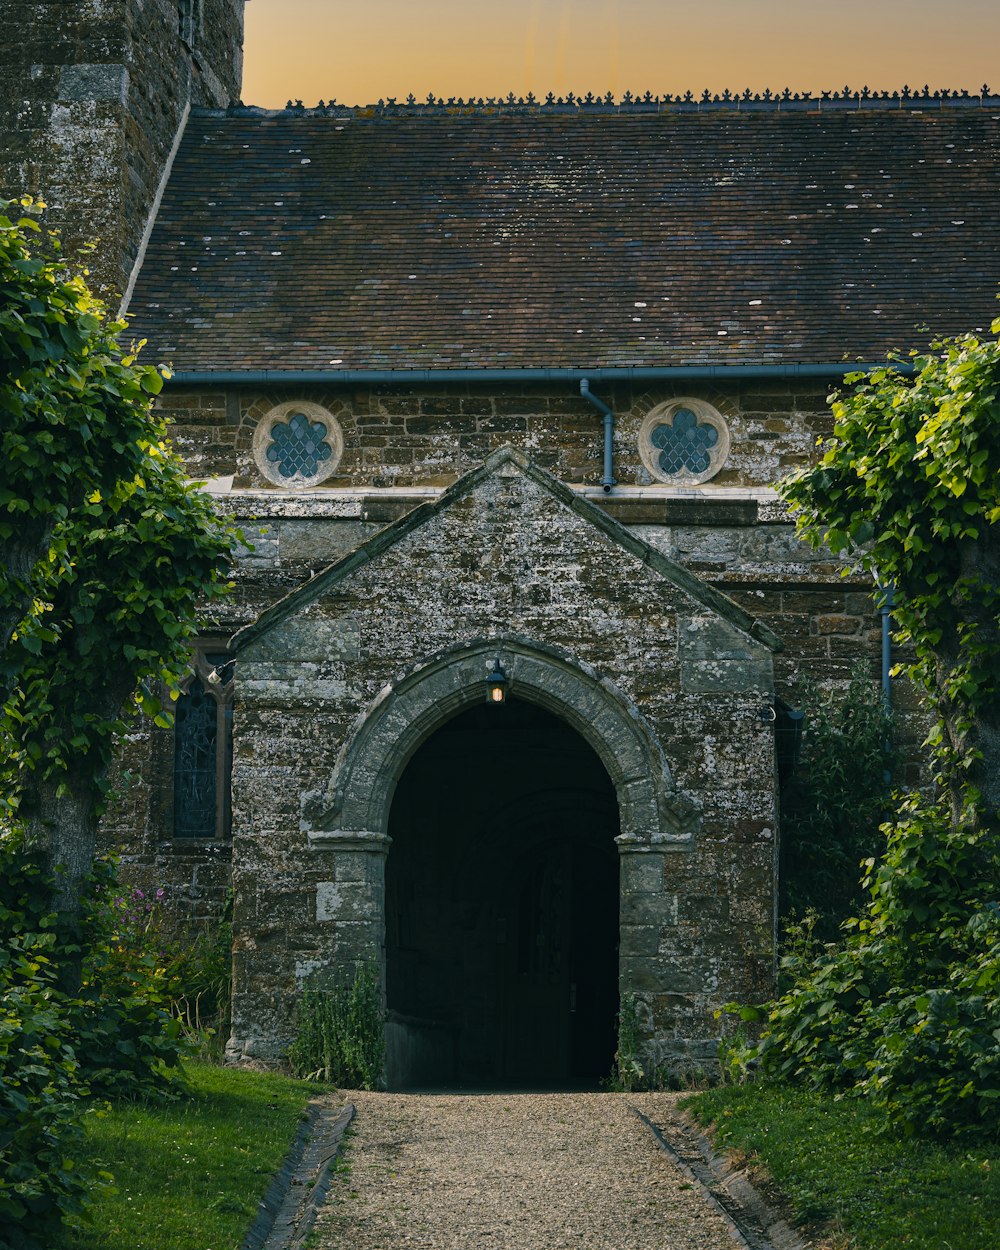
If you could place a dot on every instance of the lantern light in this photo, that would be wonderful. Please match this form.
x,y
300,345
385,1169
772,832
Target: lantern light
x,y
216,675
496,684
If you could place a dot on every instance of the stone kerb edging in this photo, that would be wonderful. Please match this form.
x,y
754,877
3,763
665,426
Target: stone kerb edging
x,y
406,711
752,1222
298,1191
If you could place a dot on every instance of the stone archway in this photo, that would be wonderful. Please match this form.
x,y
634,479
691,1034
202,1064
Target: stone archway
x,y
349,821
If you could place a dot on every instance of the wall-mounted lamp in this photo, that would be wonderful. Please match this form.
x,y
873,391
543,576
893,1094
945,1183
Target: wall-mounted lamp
x,y
215,676
496,684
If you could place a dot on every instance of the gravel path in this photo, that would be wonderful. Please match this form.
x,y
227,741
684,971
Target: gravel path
x,y
512,1172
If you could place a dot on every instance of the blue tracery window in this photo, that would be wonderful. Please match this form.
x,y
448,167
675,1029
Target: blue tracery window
x,y
298,446
203,750
684,444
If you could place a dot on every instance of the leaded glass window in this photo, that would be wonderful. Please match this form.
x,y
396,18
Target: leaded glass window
x,y
189,20
203,749
297,444
685,442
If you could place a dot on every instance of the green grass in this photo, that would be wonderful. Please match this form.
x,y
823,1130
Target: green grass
x,y
189,1174
879,1191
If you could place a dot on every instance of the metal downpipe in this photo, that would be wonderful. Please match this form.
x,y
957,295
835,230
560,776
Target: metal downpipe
x,y
607,481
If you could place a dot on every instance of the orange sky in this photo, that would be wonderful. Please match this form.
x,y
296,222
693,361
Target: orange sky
x,y
358,52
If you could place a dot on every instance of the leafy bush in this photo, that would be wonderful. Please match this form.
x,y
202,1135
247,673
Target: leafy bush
x,y
834,803
41,1085
41,1115
907,1010
131,1040
341,1034
138,953
61,1051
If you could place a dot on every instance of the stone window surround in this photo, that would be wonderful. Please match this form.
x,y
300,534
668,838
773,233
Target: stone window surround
x,y
706,415
281,413
222,694
189,21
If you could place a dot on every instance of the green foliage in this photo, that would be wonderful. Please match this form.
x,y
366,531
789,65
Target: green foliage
x,y
633,1070
842,1173
41,1114
107,550
60,1052
42,1089
73,407
137,951
188,1173
119,594
906,1010
910,482
835,802
106,554
629,1072
341,1033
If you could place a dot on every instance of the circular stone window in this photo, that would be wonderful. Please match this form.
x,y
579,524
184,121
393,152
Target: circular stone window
x,y
297,444
684,442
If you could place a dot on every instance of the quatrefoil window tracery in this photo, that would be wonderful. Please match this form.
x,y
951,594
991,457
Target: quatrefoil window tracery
x,y
684,442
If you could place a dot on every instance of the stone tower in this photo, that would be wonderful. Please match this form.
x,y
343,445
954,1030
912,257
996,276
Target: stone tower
x,y
94,99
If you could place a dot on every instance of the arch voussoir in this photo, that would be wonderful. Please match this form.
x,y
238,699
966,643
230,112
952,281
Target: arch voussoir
x,y
359,793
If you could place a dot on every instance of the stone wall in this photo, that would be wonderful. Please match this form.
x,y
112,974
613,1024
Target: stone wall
x,y
92,95
427,436
733,535
737,538
510,565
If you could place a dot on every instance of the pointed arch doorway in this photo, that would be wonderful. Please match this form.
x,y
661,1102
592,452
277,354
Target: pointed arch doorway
x,y
502,901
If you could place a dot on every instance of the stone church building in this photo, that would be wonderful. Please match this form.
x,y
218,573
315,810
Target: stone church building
x,y
499,391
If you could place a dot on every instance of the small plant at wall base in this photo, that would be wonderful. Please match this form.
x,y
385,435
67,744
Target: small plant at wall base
x,y
629,1073
138,951
632,1070
340,1034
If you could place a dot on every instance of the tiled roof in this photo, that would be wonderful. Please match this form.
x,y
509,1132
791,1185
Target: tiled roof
x,y
526,238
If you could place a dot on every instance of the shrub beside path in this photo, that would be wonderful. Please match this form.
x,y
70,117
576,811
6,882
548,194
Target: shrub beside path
x,y
512,1172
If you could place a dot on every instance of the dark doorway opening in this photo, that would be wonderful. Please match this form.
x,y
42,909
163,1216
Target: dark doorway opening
x,y
502,907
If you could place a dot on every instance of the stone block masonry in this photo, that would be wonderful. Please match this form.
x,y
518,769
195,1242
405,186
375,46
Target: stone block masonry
x,y
92,96
302,692
697,826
